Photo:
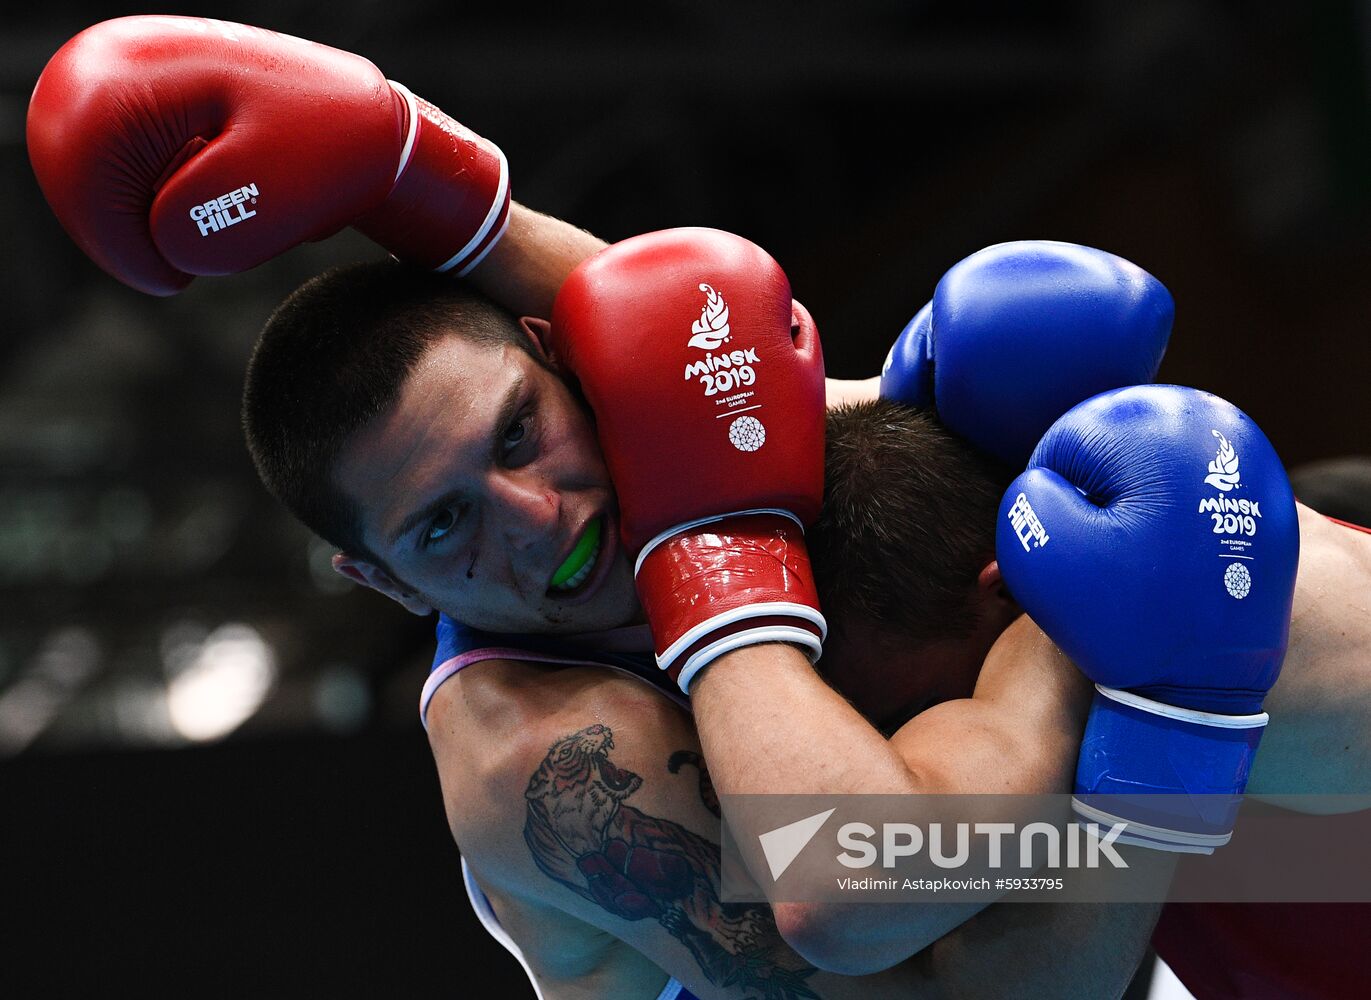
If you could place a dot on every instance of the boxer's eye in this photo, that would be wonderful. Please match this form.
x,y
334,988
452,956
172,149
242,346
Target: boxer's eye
x,y
517,443
442,524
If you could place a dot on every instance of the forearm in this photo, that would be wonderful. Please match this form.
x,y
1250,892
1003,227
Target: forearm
x,y
771,724
768,724
527,267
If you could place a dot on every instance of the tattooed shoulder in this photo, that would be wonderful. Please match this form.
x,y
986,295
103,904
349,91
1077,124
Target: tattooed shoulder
x,y
583,833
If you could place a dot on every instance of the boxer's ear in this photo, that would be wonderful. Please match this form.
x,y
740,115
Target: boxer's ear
x,y
539,333
991,587
989,577
368,574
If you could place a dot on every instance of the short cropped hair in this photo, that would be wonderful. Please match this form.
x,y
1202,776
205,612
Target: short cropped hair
x,y
907,523
333,356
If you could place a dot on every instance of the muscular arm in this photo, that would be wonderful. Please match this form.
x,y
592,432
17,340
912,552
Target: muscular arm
x,y
769,724
1029,707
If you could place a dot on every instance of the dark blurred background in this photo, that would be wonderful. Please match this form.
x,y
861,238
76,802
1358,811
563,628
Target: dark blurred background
x,y
212,776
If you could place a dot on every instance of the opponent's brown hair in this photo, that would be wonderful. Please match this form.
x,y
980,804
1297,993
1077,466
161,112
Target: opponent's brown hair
x,y
334,355
908,521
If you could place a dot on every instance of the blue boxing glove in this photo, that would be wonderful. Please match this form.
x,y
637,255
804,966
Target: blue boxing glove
x,y
1018,333
1154,539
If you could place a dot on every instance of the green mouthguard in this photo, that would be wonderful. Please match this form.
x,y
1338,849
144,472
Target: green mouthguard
x,y
579,554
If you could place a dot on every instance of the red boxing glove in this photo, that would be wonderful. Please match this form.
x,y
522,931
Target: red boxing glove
x,y
707,383
171,147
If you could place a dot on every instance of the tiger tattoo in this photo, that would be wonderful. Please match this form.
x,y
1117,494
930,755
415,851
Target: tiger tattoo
x,y
582,833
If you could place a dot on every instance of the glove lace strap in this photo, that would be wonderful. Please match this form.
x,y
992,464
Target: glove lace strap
x,y
1193,715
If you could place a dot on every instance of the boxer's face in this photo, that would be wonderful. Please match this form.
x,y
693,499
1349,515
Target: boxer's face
x,y
475,489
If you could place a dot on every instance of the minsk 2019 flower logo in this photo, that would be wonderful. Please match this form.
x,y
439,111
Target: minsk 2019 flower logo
x,y
711,329
1223,471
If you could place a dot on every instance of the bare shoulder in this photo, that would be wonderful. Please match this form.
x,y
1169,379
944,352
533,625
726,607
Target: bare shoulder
x,y
496,724
1319,736
1333,556
1025,668
1029,708
1330,625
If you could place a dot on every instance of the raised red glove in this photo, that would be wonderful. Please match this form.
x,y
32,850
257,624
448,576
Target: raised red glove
x,y
171,147
707,383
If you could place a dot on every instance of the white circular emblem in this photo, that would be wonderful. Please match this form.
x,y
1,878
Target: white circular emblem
x,y
1237,580
747,434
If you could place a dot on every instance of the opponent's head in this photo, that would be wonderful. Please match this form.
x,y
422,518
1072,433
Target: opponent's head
x,y
904,558
426,433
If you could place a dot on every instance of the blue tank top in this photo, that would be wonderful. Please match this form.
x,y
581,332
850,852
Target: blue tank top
x,y
627,649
